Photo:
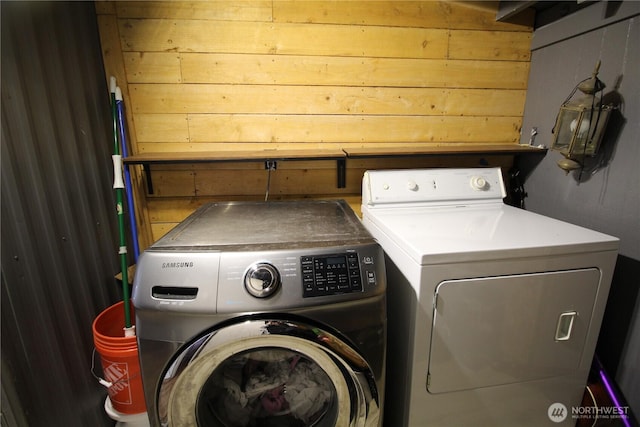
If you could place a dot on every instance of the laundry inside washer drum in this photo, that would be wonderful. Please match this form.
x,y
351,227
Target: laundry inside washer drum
x,y
274,387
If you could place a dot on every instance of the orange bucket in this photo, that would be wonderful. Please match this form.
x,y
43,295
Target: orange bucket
x,y
119,360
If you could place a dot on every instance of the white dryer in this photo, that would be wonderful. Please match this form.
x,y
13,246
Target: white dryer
x,y
493,311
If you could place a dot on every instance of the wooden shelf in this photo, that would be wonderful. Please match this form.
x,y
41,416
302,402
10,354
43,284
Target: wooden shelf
x,y
340,155
443,150
234,156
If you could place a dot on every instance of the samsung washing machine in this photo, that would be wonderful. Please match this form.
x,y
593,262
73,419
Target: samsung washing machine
x,y
494,312
263,314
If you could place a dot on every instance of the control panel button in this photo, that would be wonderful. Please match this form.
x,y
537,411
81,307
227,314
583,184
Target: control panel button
x,y
371,277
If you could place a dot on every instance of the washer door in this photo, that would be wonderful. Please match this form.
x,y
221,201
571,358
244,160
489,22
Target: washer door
x,y
268,372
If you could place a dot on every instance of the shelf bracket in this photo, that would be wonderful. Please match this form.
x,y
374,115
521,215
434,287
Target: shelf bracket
x,y
146,167
341,167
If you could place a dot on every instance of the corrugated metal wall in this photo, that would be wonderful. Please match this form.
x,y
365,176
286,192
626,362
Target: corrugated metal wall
x,y
59,236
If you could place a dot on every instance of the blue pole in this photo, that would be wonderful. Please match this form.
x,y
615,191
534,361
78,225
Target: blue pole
x,y
118,186
127,174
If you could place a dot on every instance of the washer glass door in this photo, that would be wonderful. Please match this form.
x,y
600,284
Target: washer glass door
x,y
268,373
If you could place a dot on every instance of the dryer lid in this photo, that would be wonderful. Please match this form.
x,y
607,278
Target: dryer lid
x,y
457,215
480,232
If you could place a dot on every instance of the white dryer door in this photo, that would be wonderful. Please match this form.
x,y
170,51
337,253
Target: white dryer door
x,y
268,372
508,329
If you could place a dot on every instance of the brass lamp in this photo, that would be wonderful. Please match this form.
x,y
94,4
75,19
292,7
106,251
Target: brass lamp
x,y
581,123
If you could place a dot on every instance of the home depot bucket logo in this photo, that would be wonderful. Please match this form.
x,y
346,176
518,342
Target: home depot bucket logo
x,y
117,373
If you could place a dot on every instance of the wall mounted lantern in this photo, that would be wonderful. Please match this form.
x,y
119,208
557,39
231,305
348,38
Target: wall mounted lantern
x,y
581,123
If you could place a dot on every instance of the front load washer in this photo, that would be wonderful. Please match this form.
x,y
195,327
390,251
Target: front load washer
x,y
263,314
494,312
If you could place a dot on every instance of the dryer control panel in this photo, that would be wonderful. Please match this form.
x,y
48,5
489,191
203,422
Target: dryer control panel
x,y
432,187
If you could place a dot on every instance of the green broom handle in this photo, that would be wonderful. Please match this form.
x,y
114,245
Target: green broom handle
x,y
118,185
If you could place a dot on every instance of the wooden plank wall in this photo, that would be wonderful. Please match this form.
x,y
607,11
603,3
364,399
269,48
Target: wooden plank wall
x,y
255,75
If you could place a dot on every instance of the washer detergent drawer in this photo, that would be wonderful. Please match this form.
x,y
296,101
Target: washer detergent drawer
x,y
508,329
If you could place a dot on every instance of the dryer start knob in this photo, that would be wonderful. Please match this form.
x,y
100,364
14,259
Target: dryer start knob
x,y
479,183
262,280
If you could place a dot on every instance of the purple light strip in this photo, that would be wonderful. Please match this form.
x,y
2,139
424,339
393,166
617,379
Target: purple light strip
x,y
607,385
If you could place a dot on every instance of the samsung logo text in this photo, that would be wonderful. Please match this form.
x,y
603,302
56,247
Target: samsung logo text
x,y
181,264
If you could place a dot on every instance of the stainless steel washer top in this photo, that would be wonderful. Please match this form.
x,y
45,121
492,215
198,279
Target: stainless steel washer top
x,y
259,225
240,256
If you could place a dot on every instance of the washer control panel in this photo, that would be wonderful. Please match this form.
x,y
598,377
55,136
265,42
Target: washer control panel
x,y
245,281
331,274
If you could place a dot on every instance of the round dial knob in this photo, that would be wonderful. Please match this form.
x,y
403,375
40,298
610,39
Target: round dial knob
x,y
412,185
262,280
478,183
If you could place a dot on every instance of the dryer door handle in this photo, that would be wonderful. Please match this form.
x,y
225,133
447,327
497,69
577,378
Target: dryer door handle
x,y
565,325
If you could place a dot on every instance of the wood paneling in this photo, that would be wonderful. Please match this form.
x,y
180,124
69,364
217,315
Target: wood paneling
x,y
250,75
171,35
356,128
320,100
478,15
231,10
